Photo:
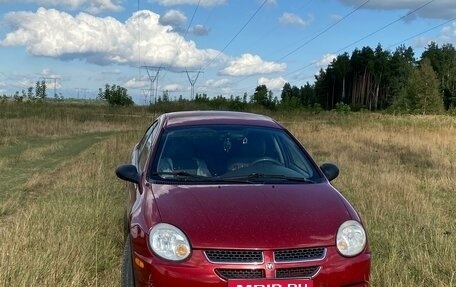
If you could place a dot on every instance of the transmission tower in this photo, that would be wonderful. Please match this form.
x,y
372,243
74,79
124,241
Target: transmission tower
x,y
81,90
153,80
192,81
147,94
55,83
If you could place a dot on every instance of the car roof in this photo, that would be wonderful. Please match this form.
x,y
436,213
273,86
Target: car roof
x,y
192,118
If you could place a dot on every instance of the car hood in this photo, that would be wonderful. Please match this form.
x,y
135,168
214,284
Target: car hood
x,y
253,216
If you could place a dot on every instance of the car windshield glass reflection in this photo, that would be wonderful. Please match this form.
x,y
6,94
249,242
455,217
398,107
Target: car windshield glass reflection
x,y
211,153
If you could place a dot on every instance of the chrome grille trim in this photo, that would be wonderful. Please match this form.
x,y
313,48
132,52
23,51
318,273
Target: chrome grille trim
x,y
234,256
299,255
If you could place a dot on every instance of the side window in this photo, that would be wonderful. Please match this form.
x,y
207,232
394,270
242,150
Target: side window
x,y
146,135
145,146
297,159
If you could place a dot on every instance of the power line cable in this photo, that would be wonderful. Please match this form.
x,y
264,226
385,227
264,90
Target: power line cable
x,y
193,17
371,34
421,33
22,84
316,36
322,32
239,32
183,38
388,47
269,31
386,26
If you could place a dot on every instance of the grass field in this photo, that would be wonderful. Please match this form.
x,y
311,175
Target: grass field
x,y
61,206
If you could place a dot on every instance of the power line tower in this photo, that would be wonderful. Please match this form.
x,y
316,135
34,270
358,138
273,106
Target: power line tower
x,y
55,83
153,80
81,90
192,81
146,93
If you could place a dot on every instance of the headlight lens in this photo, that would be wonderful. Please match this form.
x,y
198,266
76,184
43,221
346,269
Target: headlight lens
x,y
351,238
169,242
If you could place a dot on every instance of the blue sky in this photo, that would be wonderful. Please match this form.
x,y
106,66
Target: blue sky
x,y
80,45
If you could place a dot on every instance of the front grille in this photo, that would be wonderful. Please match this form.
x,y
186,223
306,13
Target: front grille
x,y
234,256
299,255
240,273
299,272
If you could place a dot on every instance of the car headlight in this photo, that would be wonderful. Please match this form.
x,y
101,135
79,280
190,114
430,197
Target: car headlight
x,y
169,242
351,238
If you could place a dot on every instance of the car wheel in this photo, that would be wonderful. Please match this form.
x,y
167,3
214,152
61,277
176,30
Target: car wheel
x,y
127,266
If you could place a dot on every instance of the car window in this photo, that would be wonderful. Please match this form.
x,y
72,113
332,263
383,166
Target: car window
x,y
145,145
223,151
146,135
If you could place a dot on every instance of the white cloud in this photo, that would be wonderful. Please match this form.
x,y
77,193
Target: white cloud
x,y
52,79
172,88
442,9
176,19
448,35
335,17
91,6
136,83
249,64
199,30
293,19
21,81
274,84
173,18
112,72
269,2
325,61
204,3
103,41
221,83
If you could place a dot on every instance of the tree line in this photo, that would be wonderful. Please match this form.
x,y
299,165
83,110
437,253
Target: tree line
x,y
377,79
37,94
368,79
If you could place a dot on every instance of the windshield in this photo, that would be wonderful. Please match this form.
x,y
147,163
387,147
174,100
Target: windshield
x,y
225,153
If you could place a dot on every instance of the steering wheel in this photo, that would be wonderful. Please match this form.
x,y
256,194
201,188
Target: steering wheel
x,y
266,159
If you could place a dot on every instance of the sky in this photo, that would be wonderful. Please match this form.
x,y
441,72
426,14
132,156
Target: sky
x,y
220,47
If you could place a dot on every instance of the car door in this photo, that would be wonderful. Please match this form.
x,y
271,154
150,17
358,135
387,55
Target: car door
x,y
140,155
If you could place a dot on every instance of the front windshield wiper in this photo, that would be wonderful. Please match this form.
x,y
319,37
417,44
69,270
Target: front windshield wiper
x,y
253,176
180,173
184,174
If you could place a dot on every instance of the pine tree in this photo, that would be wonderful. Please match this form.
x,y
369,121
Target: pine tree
x,y
429,98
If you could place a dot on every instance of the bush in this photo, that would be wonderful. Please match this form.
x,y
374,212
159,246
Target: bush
x,y
343,108
115,96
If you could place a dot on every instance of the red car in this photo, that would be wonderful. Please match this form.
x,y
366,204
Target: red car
x,y
229,199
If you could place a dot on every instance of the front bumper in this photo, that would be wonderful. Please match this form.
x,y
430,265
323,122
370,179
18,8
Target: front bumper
x,y
333,270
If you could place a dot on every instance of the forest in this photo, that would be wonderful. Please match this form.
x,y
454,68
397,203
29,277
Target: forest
x,y
377,79
368,79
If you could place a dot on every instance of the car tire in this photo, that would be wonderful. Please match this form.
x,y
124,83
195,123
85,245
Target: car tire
x,y
127,265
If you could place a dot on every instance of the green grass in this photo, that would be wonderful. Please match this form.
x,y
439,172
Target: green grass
x,y
34,158
61,205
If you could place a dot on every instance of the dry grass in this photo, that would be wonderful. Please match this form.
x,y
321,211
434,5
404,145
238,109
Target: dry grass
x,y
61,206
399,172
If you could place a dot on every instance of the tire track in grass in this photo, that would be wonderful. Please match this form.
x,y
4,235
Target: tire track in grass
x,y
18,164
70,234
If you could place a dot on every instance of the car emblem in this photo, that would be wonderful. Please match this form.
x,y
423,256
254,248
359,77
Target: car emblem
x,y
269,266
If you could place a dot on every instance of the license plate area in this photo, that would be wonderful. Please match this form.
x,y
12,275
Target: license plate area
x,y
270,283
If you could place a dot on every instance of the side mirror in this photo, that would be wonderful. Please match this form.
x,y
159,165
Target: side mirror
x,y
330,170
128,172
